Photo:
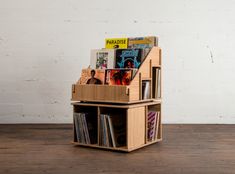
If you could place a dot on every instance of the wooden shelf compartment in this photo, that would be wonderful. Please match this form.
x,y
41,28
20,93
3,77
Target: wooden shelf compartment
x,y
158,135
135,123
92,112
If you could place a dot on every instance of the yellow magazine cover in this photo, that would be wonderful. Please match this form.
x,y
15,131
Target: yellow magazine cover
x,y
116,43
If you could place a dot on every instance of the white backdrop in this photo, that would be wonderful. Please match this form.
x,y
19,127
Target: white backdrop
x,y
45,44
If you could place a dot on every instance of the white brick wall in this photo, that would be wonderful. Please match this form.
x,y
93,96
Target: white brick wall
x,y
44,44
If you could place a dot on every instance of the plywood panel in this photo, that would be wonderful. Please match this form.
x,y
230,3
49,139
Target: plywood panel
x,y
100,93
135,127
114,105
155,55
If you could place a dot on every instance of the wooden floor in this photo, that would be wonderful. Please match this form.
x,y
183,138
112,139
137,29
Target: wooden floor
x,y
186,149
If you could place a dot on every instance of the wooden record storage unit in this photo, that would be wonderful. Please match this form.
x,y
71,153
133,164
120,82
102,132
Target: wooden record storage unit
x,y
127,102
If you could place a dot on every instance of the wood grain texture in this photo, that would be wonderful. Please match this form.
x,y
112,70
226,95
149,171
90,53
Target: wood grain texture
x,y
194,149
111,93
135,127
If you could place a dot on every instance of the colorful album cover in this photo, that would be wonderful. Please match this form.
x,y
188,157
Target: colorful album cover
x,y
111,43
118,76
152,119
142,42
146,43
102,58
92,76
128,58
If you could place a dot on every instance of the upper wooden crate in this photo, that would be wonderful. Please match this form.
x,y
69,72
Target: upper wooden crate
x,y
118,93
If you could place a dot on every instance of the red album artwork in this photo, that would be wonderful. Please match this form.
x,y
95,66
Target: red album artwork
x,y
118,76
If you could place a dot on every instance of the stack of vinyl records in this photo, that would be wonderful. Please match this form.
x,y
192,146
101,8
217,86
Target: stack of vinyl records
x,y
112,130
86,128
153,125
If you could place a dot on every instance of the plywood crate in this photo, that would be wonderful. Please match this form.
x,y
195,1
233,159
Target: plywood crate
x,y
136,123
117,93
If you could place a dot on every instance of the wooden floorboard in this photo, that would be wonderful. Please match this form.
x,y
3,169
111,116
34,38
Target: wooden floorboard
x,y
185,149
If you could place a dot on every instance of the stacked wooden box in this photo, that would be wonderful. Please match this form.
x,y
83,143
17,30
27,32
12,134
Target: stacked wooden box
x,y
125,101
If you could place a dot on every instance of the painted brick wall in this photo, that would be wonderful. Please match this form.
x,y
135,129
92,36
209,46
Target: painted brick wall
x,y
45,44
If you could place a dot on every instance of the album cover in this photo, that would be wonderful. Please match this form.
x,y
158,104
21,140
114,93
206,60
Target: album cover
x,y
102,58
128,58
152,118
116,43
118,76
92,76
146,43
142,42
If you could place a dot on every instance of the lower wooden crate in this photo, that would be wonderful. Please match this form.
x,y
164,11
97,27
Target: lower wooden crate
x,y
136,122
